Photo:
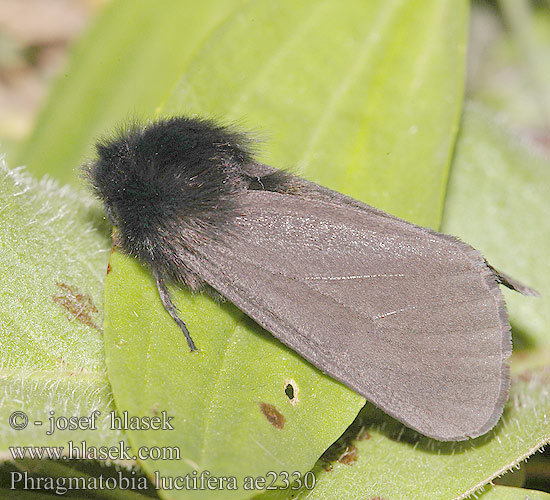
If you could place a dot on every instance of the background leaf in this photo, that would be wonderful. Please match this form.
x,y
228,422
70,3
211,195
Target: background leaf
x,y
126,65
510,65
52,259
507,493
342,89
498,202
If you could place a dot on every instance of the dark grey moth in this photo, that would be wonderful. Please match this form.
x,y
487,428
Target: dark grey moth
x,y
409,318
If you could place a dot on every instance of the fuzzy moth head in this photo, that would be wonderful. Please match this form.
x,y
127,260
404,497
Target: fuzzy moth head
x,y
155,179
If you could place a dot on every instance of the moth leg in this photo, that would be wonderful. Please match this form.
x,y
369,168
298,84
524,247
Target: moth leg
x,y
172,310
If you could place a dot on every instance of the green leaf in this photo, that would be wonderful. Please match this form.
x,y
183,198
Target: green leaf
x,y
52,259
265,63
124,67
507,493
498,202
363,97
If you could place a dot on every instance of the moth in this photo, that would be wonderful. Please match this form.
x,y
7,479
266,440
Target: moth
x,y
409,318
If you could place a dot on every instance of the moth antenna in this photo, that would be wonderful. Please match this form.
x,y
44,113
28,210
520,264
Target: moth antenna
x,y
172,310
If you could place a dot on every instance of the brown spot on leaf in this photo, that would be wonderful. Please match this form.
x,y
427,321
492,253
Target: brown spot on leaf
x,y
341,453
108,268
343,450
349,456
79,305
274,416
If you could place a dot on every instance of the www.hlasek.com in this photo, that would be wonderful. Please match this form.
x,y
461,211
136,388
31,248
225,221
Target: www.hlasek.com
x,y
83,450
192,481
